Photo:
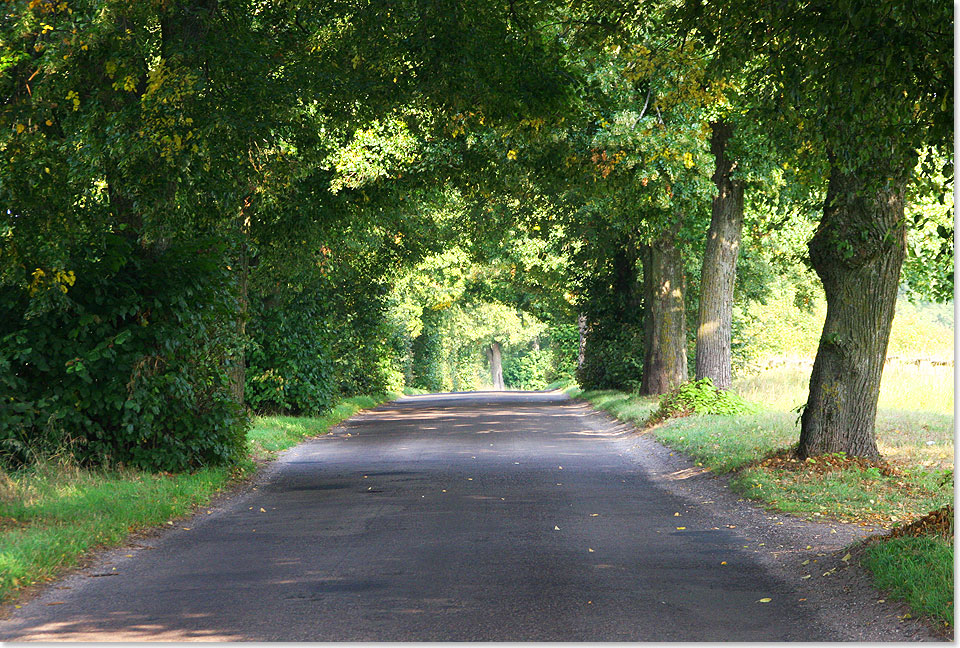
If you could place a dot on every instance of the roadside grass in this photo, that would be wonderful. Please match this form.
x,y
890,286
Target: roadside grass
x,y
918,444
915,429
916,570
54,513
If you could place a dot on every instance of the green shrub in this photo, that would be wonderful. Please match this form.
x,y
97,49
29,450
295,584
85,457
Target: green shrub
x,y
563,343
128,365
613,358
289,366
427,350
699,397
527,370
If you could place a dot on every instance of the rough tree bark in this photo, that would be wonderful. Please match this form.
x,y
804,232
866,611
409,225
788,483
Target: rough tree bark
x,y
495,359
719,270
857,252
665,322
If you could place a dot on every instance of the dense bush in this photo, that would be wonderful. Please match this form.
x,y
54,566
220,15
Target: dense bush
x,y
563,343
124,359
289,365
427,350
613,358
527,370
327,339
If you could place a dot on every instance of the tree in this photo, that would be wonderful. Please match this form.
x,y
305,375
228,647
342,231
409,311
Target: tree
x,y
719,269
864,86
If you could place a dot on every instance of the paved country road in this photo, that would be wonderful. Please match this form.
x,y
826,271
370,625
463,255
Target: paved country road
x,y
485,516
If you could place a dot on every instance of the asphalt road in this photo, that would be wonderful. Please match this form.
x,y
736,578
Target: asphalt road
x,y
511,516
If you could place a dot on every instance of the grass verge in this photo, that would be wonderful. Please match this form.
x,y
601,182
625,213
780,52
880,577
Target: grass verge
x,y
54,514
755,450
918,571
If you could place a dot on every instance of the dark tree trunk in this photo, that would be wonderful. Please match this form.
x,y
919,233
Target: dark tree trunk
x,y
582,328
857,252
496,365
665,320
719,271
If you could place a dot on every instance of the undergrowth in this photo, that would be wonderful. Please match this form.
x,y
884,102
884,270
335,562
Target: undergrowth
x,y
698,397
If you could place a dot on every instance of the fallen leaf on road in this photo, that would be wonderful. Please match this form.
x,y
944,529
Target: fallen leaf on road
x,y
681,528
764,600
590,550
263,510
444,490
185,528
805,577
724,562
556,528
881,600
594,514
54,603
588,603
129,556
676,514
560,467
805,562
469,478
846,558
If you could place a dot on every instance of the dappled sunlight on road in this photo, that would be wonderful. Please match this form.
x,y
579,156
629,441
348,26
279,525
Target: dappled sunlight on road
x,y
127,627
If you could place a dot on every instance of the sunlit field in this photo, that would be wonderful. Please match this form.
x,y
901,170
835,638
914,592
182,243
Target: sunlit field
x,y
915,414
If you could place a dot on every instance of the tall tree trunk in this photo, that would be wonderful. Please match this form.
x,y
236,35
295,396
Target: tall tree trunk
x,y
495,359
857,252
665,320
582,329
719,271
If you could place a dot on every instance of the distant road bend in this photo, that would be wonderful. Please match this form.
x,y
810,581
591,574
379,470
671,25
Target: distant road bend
x,y
479,516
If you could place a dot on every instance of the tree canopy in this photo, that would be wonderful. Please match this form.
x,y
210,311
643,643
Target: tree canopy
x,y
218,207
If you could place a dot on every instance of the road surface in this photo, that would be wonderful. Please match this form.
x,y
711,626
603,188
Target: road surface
x,y
484,516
